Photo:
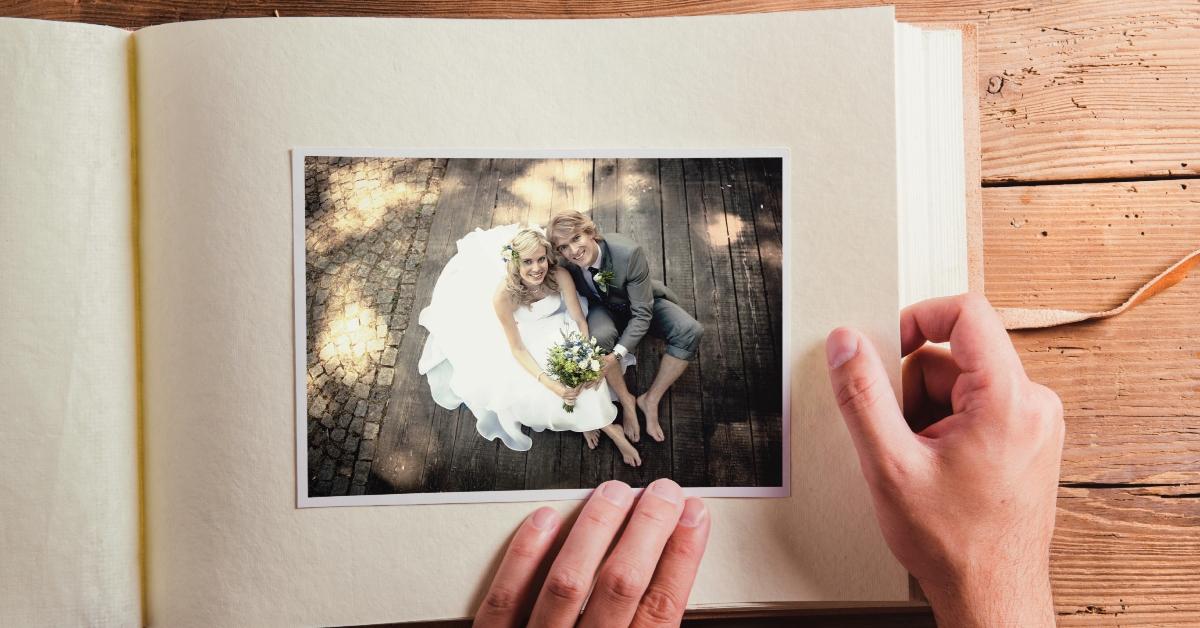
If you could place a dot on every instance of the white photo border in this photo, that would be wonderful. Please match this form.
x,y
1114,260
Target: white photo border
x,y
299,253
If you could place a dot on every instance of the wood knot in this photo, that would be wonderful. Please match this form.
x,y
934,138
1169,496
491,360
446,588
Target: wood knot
x,y
995,84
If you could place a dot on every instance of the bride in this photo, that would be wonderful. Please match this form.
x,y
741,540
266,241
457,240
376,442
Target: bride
x,y
498,307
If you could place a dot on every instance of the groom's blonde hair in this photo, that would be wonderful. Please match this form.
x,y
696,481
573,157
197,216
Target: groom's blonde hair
x,y
565,224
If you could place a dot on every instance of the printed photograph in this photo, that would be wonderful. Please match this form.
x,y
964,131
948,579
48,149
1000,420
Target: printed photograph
x,y
496,325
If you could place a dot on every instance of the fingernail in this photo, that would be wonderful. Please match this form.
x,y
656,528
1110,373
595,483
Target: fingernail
x,y
544,518
616,492
668,490
694,513
840,346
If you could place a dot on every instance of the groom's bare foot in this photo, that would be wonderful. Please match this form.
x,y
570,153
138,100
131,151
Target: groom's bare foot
x,y
651,412
629,422
592,438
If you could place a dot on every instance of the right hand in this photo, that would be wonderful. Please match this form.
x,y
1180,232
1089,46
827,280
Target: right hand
x,y
967,503
568,394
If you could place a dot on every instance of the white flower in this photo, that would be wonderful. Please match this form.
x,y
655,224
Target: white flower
x,y
595,365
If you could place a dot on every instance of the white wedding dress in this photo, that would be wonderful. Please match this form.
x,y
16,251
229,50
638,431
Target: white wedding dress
x,y
467,360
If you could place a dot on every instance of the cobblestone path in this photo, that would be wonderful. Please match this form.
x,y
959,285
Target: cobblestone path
x,y
366,228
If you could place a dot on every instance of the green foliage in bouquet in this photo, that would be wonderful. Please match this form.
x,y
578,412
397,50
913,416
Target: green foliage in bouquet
x,y
575,361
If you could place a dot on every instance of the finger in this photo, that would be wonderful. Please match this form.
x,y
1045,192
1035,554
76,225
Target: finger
x,y
929,375
570,577
627,572
507,600
866,400
978,341
666,597
933,374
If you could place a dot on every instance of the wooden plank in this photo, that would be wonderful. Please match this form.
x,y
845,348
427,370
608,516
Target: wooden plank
x,y
1130,385
555,458
640,215
512,201
600,464
1127,557
510,465
401,452
723,385
439,458
760,334
686,436
572,180
474,460
605,195
405,433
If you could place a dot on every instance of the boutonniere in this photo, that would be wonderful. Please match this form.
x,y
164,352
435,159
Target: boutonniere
x,y
603,280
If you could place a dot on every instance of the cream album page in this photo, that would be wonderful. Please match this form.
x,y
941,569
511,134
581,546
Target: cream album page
x,y
67,328
224,106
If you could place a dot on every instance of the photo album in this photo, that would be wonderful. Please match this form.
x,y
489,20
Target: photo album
x,y
306,315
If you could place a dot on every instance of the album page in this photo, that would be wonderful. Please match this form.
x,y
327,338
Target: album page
x,y
67,328
226,106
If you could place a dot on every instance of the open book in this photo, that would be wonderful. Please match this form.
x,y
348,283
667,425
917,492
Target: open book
x,y
153,319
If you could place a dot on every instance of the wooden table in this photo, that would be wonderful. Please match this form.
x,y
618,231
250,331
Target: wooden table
x,y
1090,130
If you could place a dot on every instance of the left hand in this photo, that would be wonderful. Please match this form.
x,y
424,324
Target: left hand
x,y
645,581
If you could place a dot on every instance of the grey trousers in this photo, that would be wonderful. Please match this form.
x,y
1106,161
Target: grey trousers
x,y
673,324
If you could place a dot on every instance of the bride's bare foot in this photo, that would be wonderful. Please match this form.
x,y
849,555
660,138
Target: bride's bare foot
x,y
651,412
628,453
592,438
629,420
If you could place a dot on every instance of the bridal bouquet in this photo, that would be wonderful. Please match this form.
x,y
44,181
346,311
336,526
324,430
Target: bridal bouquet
x,y
574,361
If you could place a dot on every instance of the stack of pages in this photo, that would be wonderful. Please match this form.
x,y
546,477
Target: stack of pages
x,y
159,194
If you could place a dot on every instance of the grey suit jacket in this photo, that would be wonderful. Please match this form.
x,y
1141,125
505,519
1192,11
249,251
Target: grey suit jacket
x,y
631,290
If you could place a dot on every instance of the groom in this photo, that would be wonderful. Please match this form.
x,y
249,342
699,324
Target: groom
x,y
624,303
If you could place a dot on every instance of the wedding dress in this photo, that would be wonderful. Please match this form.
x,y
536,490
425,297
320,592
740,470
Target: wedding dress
x,y
467,360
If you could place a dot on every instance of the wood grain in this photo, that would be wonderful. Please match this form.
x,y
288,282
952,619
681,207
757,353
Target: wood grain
x,y
1130,385
1127,546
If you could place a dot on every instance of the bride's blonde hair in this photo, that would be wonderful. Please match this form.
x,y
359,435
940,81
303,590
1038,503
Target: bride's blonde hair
x,y
526,241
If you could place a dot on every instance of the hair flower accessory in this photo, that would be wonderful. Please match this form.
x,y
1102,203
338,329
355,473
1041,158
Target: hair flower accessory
x,y
509,253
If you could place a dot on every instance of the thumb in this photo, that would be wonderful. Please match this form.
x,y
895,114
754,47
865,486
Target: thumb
x,y
865,397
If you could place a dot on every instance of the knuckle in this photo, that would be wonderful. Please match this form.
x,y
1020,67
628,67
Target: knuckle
x,y
1050,408
661,606
566,585
685,550
597,517
523,550
859,392
974,302
654,516
623,582
893,475
500,601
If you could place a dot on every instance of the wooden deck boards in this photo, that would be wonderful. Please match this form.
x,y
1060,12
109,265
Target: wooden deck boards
x,y
706,239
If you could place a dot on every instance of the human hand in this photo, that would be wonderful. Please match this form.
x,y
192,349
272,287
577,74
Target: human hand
x,y
645,581
607,362
967,502
569,395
